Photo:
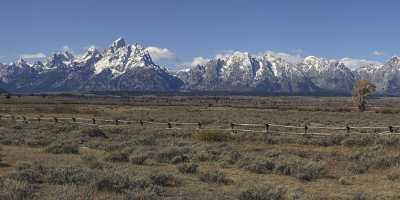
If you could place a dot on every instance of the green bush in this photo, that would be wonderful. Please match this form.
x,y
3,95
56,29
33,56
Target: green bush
x,y
259,165
299,168
138,159
263,192
117,156
69,175
393,177
174,155
15,190
214,177
188,168
93,132
164,180
141,195
63,148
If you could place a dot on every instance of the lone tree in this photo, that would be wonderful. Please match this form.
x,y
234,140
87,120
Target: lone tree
x,y
361,91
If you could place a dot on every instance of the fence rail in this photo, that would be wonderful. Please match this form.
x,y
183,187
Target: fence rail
x,y
266,128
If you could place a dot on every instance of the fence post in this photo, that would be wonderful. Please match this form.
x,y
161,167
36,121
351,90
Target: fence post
x,y
141,122
391,129
199,125
38,119
73,119
267,129
94,121
169,125
232,127
55,120
347,129
116,122
305,129
24,118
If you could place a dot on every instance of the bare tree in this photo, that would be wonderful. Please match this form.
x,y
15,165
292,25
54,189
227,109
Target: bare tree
x,y
361,91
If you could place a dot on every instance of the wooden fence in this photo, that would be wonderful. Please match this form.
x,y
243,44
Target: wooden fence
x,y
266,128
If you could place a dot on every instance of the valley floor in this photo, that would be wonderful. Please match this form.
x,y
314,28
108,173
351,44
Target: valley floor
x,y
50,160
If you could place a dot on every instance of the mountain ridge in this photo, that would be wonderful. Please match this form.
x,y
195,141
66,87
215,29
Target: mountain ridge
x,y
125,67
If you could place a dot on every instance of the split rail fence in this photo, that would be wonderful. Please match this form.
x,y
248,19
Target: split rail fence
x,y
266,128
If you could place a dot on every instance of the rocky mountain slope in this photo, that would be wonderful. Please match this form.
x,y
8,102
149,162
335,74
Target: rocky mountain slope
x,y
123,67
269,73
119,67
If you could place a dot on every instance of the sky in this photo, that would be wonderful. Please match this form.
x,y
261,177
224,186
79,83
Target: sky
x,y
186,31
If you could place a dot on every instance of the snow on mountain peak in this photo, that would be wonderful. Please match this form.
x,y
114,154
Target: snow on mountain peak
x,y
21,62
315,63
120,42
121,57
394,61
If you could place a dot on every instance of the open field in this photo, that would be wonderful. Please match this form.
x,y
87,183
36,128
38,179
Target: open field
x,y
50,160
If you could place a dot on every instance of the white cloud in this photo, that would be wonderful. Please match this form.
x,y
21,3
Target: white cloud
x,y
353,63
158,53
199,61
377,53
292,58
223,54
33,56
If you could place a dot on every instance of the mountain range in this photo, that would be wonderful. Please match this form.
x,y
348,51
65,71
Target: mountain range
x,y
124,67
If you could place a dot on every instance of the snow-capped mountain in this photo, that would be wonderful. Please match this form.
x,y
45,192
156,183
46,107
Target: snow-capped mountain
x,y
119,67
124,67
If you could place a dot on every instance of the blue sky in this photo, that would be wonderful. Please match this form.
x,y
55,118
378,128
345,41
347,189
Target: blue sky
x,y
362,29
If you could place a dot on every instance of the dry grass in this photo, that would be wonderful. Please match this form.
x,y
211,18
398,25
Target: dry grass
x,y
153,163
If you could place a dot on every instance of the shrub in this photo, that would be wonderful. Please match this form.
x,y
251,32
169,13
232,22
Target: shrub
x,y
113,182
264,192
259,165
39,141
63,148
93,132
392,141
360,196
141,195
214,177
374,157
71,192
359,140
357,168
15,190
393,177
37,173
174,155
3,163
138,159
232,157
117,156
211,135
299,168
69,175
92,162
31,173
188,168
164,180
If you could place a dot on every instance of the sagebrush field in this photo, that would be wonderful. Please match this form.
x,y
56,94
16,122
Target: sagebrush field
x,y
49,160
